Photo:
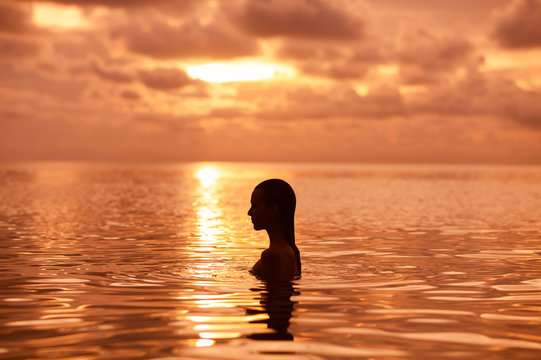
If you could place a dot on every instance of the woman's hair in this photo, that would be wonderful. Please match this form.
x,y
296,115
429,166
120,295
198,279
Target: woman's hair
x,y
279,192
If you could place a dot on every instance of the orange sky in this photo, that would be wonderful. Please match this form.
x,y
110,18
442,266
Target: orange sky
x,y
275,80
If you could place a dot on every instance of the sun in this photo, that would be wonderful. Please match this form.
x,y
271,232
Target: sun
x,y
248,71
207,176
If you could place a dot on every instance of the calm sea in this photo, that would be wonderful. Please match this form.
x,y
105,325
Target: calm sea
x,y
112,261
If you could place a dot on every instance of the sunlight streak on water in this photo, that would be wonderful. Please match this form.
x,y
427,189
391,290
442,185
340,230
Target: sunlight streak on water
x,y
209,220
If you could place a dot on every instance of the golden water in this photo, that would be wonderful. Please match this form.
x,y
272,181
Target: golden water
x,y
109,261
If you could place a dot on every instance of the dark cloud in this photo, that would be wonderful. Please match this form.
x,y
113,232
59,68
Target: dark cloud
x,y
297,18
190,39
446,10
112,75
82,48
128,4
18,79
56,136
519,25
17,48
14,19
432,53
227,112
343,101
130,95
472,96
479,94
337,70
509,101
304,102
166,124
164,78
48,68
333,60
424,57
110,3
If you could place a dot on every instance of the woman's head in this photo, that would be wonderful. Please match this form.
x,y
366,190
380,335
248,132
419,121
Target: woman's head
x,y
272,198
273,201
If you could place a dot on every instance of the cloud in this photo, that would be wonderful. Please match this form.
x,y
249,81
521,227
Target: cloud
x,y
169,4
510,101
279,102
111,75
478,94
298,18
82,48
97,134
48,68
14,19
228,112
130,95
473,95
19,80
424,57
17,48
518,25
110,3
161,40
164,78
333,61
420,56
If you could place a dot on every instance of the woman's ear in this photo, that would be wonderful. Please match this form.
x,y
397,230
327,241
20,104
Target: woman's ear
x,y
275,210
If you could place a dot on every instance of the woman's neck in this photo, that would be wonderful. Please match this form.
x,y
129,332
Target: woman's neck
x,y
277,236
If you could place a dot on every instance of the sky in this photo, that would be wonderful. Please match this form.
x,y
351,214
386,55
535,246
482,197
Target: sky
x,y
391,81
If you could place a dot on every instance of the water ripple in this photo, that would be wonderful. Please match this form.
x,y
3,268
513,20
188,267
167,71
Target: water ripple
x,y
287,350
454,337
104,261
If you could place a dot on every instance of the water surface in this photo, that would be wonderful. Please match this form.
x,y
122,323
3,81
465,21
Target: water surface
x,y
103,261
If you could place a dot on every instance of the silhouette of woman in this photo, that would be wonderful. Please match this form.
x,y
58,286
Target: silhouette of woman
x,y
273,209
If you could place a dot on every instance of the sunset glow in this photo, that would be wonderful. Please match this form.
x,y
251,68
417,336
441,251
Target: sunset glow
x,y
347,81
221,72
52,16
207,176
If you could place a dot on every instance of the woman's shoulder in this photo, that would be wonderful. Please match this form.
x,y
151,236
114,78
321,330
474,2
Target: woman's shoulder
x,y
277,255
278,263
277,251
271,253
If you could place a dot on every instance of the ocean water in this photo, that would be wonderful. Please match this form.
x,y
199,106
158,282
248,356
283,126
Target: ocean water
x,y
116,261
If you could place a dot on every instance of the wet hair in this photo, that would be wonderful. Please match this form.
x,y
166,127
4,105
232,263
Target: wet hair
x,y
279,192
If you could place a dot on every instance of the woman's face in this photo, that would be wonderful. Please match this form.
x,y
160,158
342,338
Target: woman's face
x,y
260,212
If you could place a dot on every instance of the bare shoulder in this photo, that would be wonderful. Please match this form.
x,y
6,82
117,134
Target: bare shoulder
x,y
256,269
277,255
271,254
278,263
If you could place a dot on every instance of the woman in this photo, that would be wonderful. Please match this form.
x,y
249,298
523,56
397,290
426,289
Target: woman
x,y
273,209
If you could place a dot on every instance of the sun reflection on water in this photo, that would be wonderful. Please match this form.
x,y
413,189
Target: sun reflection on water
x,y
207,176
208,221
204,342
209,265
207,208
